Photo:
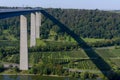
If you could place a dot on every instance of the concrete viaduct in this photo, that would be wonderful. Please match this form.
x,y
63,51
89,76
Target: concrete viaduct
x,y
35,25
35,30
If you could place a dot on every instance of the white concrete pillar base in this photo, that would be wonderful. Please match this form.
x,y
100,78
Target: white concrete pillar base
x,y
38,24
33,30
23,44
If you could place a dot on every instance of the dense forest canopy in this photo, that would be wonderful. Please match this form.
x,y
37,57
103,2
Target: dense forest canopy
x,y
89,23
85,23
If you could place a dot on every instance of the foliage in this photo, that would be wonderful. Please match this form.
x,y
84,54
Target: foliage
x,y
85,23
1,67
47,69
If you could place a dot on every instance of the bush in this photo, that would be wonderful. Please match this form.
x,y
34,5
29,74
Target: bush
x,y
1,67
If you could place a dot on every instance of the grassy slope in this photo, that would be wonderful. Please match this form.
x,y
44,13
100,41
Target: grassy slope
x,y
92,39
79,59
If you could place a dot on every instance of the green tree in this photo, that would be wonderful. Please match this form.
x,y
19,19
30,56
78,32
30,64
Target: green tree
x,y
1,67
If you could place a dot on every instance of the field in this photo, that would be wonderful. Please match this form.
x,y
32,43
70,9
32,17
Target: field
x,y
71,59
92,39
9,43
78,59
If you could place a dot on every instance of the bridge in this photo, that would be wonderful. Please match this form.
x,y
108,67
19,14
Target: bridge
x,y
35,25
35,30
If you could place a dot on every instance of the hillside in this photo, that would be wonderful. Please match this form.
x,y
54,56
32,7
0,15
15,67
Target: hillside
x,y
57,53
85,23
88,23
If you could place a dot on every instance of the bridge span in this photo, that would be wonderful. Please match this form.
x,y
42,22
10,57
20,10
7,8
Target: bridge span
x,y
35,30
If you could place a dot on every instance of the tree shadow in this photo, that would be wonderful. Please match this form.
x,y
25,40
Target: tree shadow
x,y
101,64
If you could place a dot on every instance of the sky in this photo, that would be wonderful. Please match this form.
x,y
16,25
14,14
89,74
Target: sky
x,y
75,4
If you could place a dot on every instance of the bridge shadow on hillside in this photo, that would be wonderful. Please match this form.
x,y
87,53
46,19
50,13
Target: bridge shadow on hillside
x,y
101,64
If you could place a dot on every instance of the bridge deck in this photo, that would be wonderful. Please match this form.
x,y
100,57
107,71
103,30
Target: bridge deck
x,y
6,13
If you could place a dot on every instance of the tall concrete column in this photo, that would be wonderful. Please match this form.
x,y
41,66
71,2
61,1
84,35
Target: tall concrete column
x,y
33,30
38,24
23,44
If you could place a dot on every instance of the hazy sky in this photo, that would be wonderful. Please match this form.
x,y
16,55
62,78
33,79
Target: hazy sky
x,y
81,4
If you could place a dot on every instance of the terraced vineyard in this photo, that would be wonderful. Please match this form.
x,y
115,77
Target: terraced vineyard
x,y
9,43
73,58
78,59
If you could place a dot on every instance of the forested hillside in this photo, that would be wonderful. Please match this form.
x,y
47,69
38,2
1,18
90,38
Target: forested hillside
x,y
88,23
85,23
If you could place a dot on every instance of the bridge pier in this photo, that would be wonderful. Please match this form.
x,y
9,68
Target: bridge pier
x,y
38,24
33,30
23,43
